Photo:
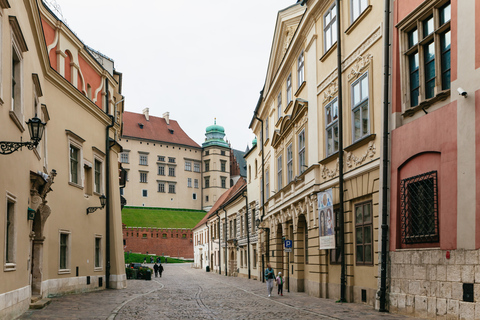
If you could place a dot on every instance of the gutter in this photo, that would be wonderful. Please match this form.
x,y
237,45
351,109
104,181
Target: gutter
x,y
219,244
226,231
107,187
248,232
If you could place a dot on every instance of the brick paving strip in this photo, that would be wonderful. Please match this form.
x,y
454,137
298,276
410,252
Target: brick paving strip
x,y
186,293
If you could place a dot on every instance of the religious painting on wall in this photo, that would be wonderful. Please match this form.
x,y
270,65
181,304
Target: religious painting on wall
x,y
326,219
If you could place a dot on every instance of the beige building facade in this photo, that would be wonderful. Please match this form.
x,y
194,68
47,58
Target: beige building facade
x,y
51,244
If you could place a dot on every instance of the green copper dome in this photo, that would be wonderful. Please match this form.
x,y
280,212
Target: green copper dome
x,y
215,128
214,136
254,142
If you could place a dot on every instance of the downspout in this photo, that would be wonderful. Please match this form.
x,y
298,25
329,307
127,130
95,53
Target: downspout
x,y
248,231
343,279
386,78
208,245
226,231
107,187
219,245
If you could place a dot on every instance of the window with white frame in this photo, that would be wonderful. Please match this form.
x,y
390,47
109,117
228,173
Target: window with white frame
x,y
143,177
289,88
267,184
124,157
171,171
279,105
74,164
300,69
427,53
330,27
357,7
195,183
331,125
10,231
194,196
144,193
98,176
279,173
64,252
161,170
301,151
143,159
17,81
98,252
196,167
161,187
188,166
224,182
171,188
171,160
161,158
360,109
189,182
266,128
289,163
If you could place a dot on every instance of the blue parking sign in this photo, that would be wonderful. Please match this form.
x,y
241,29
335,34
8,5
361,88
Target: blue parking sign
x,y
288,243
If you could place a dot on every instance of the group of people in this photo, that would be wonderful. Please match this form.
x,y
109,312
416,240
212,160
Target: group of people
x,y
270,279
158,269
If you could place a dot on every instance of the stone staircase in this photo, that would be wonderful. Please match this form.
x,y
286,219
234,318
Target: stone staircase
x,y
37,302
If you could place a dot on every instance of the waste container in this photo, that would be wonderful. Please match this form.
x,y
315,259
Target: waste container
x,y
207,268
148,275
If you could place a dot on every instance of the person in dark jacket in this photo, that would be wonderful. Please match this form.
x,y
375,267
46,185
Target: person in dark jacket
x,y
160,269
155,268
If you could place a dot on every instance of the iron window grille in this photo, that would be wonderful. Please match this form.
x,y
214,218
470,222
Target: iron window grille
x,y
419,208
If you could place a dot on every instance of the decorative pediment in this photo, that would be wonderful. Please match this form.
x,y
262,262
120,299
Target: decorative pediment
x,y
299,106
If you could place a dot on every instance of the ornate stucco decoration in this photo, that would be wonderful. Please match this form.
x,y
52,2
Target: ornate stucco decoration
x,y
330,92
327,173
359,66
353,160
38,200
289,32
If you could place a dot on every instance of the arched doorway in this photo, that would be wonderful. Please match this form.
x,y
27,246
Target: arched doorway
x,y
301,255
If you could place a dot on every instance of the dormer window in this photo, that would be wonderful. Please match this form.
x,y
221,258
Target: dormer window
x,y
171,131
140,125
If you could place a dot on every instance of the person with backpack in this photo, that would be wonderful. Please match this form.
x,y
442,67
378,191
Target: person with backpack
x,y
269,277
280,283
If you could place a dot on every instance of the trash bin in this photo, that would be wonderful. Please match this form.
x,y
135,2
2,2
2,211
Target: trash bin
x,y
148,275
207,268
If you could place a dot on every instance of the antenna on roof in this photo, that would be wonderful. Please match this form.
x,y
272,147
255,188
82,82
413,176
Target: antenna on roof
x,y
57,10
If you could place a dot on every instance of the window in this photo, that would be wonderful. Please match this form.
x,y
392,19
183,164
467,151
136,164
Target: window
x,y
17,82
195,183
360,116
161,158
301,151
171,160
419,209
279,173
143,159
266,128
171,171
64,251
289,88
300,69
189,182
306,240
254,258
188,166
289,163
194,196
144,193
427,40
196,167
253,220
207,182
98,252
223,165
224,182
335,256
161,170
10,226
330,27
98,176
124,157
171,188
357,7
279,105
206,198
267,184
143,177
74,164
222,152
207,153
207,165
363,233
331,125
161,187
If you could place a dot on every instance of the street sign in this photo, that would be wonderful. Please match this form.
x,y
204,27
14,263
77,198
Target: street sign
x,y
288,249
288,244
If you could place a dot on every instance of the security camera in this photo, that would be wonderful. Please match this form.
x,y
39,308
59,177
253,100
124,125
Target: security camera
x,y
462,92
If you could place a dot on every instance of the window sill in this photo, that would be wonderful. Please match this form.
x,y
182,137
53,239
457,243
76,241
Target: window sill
x,y
73,184
300,88
7,267
425,104
358,20
360,142
329,158
64,271
17,121
97,269
329,51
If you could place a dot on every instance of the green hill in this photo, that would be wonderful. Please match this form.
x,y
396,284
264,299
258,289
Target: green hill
x,y
161,217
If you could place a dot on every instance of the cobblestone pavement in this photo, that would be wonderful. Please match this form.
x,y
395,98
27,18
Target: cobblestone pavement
x,y
186,293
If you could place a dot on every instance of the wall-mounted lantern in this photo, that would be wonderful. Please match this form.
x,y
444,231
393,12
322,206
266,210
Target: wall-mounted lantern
x,y
103,199
35,128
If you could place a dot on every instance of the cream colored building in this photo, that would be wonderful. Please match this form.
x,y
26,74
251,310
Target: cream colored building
x,y
298,117
50,245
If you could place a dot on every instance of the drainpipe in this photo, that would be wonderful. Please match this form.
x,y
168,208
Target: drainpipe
x,y
226,230
107,187
219,244
208,244
343,279
248,231
386,78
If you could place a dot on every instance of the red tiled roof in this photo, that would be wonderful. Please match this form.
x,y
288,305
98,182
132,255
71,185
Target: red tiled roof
x,y
227,195
155,129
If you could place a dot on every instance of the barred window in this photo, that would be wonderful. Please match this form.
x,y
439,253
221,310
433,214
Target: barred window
x,y
419,208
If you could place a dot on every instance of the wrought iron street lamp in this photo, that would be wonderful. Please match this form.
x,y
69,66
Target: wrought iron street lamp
x,y
35,128
103,199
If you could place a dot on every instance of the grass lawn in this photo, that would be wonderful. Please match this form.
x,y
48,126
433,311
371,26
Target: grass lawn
x,y
138,257
161,218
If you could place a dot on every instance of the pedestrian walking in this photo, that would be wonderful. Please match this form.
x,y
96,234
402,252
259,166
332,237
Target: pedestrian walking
x,y
158,260
151,259
270,278
155,268
160,269
145,260
166,260
280,283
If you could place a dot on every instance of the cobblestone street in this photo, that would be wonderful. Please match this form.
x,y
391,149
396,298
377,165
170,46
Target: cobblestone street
x,y
186,293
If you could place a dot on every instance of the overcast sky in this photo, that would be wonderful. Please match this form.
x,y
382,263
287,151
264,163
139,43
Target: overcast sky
x,y
198,60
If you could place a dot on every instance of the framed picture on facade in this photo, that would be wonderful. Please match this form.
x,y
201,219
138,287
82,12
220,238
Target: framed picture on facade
x,y
326,219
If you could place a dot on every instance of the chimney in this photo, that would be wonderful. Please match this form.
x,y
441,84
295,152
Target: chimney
x,y
166,116
145,113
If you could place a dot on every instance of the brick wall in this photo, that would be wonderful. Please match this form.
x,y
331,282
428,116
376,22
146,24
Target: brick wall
x,y
166,242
